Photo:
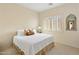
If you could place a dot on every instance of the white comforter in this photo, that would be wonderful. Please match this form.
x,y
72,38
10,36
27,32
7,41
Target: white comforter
x,y
30,45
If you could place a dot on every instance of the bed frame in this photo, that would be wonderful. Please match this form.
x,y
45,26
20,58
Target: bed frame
x,y
41,52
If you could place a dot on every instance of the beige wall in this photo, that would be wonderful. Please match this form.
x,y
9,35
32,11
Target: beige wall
x,y
66,37
12,18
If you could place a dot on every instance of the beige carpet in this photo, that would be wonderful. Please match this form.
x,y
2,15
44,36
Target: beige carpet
x,y
10,51
61,49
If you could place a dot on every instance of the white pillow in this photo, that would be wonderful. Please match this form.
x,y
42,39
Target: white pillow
x,y
35,31
20,32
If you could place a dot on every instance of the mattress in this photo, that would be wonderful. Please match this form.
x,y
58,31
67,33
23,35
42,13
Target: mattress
x,y
32,44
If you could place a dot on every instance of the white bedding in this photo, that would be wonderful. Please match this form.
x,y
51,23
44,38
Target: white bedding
x,y
30,45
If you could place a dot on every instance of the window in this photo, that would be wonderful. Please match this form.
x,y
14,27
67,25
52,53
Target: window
x,y
51,23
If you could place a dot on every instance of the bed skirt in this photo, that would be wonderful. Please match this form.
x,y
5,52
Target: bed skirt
x,y
41,52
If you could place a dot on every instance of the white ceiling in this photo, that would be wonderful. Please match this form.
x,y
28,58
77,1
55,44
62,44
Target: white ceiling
x,y
40,6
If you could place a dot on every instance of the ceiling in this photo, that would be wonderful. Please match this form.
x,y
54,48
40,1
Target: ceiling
x,y
40,6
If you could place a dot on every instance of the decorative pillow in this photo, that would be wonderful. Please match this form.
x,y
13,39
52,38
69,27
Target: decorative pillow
x,y
28,32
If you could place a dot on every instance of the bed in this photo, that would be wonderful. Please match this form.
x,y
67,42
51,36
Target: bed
x,y
38,43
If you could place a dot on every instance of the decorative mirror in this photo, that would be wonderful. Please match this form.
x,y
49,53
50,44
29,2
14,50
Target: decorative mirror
x,y
71,23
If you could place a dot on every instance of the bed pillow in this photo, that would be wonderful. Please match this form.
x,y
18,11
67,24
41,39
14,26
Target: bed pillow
x,y
34,30
20,32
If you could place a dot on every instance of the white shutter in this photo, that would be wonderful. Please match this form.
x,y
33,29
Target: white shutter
x,y
51,23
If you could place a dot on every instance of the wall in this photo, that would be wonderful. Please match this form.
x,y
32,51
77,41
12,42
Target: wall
x,y
66,37
12,18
